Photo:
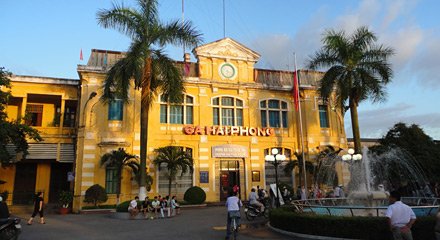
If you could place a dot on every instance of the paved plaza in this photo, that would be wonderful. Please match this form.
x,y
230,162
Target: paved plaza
x,y
203,223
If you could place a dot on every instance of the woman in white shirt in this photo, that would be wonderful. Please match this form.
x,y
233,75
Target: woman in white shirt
x,y
233,203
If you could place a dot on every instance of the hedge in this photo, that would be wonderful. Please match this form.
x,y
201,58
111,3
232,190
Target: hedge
x,y
123,206
195,195
110,206
346,227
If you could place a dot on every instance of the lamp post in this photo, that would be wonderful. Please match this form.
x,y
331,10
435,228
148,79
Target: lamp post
x,y
351,158
276,159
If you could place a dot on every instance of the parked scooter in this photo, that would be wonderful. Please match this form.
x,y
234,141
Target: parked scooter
x,y
253,211
10,229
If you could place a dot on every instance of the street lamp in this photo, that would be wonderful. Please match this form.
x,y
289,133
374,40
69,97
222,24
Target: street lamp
x,y
351,157
275,158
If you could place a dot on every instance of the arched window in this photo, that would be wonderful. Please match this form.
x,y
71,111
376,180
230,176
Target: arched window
x,y
177,113
273,113
227,111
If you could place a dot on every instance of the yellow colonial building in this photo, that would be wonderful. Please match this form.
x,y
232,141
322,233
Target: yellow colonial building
x,y
50,106
232,115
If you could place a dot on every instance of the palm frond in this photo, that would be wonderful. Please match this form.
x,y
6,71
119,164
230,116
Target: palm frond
x,y
329,79
178,34
322,59
149,12
124,20
167,77
362,38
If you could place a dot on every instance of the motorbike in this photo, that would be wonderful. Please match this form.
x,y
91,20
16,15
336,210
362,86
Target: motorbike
x,y
10,229
252,212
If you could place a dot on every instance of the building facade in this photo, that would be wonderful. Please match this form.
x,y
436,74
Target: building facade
x,y
50,106
232,115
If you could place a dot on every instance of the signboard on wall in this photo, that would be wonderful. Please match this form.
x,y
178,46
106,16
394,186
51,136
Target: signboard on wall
x,y
229,151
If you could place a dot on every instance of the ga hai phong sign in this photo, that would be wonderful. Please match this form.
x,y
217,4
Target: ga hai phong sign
x,y
228,131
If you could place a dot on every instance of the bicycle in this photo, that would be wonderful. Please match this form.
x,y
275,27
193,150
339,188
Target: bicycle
x,y
234,228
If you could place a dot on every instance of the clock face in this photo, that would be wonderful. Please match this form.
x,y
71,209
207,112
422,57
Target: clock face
x,y
227,70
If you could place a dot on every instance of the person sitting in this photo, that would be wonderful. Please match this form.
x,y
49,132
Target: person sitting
x,y
163,206
156,206
175,206
146,207
253,200
168,205
133,207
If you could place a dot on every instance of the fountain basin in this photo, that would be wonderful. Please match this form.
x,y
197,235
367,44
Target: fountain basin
x,y
354,207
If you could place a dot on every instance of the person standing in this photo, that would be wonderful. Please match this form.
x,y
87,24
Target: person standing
x,y
400,217
38,208
303,193
337,191
233,204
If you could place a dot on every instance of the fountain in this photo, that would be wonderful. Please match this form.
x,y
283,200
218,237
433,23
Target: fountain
x,y
371,174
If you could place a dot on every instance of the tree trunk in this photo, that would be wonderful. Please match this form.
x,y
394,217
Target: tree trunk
x,y
145,107
118,190
355,125
170,180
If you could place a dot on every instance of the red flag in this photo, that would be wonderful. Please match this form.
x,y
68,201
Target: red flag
x,y
296,89
81,55
186,69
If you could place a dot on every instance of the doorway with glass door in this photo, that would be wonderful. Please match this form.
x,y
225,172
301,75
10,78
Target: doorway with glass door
x,y
229,177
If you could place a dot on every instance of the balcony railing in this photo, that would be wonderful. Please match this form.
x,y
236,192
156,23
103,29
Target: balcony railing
x,y
65,131
274,78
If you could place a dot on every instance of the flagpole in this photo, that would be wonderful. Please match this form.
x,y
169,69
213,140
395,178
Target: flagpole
x,y
224,20
301,130
183,21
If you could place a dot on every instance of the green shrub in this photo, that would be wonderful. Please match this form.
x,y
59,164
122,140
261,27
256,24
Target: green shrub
x,y
65,198
95,194
123,206
345,227
195,195
110,206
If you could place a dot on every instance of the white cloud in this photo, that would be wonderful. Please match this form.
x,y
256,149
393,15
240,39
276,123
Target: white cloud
x,y
375,123
416,49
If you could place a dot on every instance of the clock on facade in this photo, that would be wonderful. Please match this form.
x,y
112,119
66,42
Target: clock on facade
x,y
227,70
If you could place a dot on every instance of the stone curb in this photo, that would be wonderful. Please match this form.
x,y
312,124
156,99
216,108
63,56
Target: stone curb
x,y
304,236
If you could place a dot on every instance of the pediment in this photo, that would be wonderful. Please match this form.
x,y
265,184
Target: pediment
x,y
226,48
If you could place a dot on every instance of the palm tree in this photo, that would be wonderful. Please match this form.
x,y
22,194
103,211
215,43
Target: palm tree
x,y
358,69
119,160
175,160
291,164
145,66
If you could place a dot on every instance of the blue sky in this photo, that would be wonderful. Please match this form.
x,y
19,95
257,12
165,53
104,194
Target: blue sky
x,y
44,38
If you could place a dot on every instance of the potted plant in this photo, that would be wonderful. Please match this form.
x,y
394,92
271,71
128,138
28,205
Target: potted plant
x,y
65,198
